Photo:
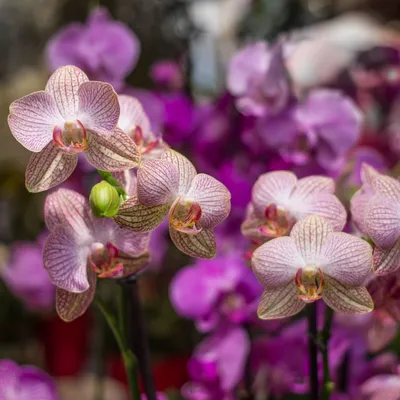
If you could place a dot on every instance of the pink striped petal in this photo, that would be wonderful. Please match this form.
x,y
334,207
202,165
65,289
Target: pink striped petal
x,y
68,208
49,168
65,256
139,218
276,262
98,106
313,184
346,299
115,152
382,220
280,302
387,261
32,119
199,245
63,85
133,265
214,199
272,188
132,115
387,186
368,173
158,182
186,169
358,205
251,227
346,258
127,180
310,235
70,306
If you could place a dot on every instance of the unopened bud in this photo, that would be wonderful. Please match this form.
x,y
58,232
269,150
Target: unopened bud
x,y
104,200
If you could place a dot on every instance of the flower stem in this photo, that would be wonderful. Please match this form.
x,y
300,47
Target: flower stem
x,y
325,336
313,350
248,379
127,356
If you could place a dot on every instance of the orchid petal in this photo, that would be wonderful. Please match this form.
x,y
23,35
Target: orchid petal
x,y
387,186
158,182
251,227
272,188
368,173
200,245
63,85
276,262
309,235
358,205
65,258
313,184
280,302
382,220
186,170
346,299
132,115
116,152
214,199
346,258
68,208
32,119
98,106
49,168
127,180
139,218
70,306
132,265
387,261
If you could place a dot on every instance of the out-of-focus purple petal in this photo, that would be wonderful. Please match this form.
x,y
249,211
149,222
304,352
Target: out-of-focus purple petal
x,y
387,261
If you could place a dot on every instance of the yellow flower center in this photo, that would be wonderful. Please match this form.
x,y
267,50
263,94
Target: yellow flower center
x,y
184,215
310,283
277,221
104,261
71,139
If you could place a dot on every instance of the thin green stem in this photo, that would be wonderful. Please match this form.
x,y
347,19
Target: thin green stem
x,y
325,335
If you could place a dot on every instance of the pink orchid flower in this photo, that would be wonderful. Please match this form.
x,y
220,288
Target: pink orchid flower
x,y
196,203
81,248
70,116
313,262
279,199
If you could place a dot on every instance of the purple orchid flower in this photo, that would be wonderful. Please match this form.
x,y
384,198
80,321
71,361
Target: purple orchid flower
x,y
167,74
314,262
81,248
27,382
70,116
196,203
106,50
226,291
381,387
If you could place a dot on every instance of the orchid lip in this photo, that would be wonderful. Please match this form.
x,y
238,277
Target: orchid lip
x,y
105,262
136,134
72,139
277,221
184,216
310,282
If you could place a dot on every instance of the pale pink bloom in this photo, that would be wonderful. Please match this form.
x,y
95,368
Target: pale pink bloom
x,y
81,248
313,262
381,387
71,115
279,199
196,203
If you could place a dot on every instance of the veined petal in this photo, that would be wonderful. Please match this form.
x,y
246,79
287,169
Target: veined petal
x,y
358,205
139,218
276,262
387,186
49,168
199,245
388,260
63,85
70,306
368,173
313,184
272,187
157,182
132,265
115,152
214,199
68,208
98,106
65,259
127,180
346,258
309,235
133,115
346,299
186,169
32,119
280,302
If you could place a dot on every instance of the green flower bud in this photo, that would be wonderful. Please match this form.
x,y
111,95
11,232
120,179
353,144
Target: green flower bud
x,y
104,200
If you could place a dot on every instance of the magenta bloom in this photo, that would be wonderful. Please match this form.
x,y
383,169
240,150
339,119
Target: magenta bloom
x,y
37,292
381,387
279,199
106,50
226,290
313,262
159,396
196,203
168,74
70,116
81,248
23,383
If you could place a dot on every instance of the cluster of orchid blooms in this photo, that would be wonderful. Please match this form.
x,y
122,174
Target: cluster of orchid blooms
x,y
293,228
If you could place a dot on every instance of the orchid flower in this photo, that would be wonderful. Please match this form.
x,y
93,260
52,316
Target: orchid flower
x,y
196,203
279,199
70,116
81,248
313,262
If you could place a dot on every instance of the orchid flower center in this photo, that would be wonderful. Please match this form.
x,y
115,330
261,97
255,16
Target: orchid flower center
x,y
310,283
104,261
184,215
136,133
71,139
277,221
